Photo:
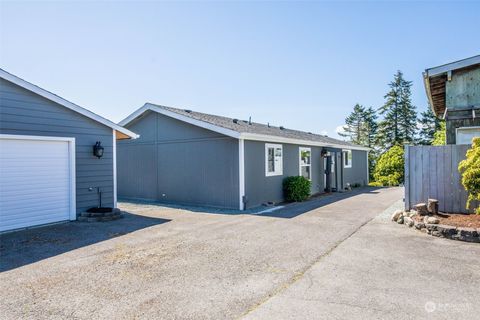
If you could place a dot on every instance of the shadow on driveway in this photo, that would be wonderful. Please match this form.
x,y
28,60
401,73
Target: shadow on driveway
x,y
292,210
31,245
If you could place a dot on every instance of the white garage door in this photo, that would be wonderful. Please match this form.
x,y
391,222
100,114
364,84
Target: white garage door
x,y
37,181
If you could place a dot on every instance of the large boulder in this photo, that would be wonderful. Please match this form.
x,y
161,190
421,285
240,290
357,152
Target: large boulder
x,y
421,208
408,221
397,214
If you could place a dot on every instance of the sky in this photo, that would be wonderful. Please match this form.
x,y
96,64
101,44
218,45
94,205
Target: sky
x,y
302,65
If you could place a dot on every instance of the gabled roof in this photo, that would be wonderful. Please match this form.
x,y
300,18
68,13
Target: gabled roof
x,y
435,79
242,129
122,133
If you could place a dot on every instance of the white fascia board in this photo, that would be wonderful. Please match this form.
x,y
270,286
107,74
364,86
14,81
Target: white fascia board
x,y
267,138
67,104
174,115
435,71
426,82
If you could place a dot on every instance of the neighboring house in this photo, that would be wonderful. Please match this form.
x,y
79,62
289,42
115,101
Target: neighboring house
x,y
453,92
48,172
189,157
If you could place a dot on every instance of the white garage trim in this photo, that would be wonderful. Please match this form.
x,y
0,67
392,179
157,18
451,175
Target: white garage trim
x,y
114,169
71,152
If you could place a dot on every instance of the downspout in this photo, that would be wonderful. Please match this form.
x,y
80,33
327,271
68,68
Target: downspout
x,y
241,174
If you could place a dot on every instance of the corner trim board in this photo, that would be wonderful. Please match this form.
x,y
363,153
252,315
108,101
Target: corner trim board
x,y
241,173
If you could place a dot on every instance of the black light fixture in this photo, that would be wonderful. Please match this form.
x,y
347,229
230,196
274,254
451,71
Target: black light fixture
x,y
324,153
98,150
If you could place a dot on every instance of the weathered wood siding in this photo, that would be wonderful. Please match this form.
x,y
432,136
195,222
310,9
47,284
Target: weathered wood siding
x,y
432,172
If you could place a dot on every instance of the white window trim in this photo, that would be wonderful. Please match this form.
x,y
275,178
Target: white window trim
x,y
464,128
345,152
300,165
275,146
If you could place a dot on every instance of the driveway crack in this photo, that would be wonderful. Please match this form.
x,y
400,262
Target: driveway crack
x,y
299,274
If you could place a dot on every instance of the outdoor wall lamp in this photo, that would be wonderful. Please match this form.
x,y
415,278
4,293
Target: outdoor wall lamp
x,y
324,153
98,150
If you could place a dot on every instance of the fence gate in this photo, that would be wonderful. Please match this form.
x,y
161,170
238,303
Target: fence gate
x,y
432,172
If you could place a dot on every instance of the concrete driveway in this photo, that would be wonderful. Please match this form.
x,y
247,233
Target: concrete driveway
x,y
322,259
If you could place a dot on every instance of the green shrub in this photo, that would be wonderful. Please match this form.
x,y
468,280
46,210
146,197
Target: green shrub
x,y
296,188
440,136
389,169
375,184
470,170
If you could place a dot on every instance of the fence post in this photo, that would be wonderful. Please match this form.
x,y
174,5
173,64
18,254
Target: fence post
x,y
407,178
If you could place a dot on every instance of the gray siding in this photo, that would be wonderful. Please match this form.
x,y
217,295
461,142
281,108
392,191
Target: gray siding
x,y
260,188
25,113
357,174
173,161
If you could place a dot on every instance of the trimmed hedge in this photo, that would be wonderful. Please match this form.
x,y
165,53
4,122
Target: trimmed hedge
x,y
296,188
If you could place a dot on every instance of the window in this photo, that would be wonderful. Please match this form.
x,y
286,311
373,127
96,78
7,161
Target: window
x,y
305,155
347,158
465,135
273,160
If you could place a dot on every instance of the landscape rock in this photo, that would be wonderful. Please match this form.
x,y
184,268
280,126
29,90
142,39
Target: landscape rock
x,y
421,208
419,225
432,220
400,220
432,206
397,214
408,221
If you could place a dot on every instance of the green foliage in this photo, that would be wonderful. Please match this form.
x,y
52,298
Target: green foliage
x,y
296,188
389,168
399,122
375,184
429,125
440,136
470,170
360,126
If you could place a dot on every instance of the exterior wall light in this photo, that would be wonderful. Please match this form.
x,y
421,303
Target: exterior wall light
x,y
98,150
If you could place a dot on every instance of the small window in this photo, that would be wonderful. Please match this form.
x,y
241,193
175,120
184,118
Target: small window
x,y
347,158
273,160
305,155
466,135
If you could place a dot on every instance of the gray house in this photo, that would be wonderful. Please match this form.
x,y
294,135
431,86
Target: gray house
x,y
190,157
48,172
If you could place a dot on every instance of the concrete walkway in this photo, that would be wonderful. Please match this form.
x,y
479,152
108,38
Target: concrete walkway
x,y
331,262
384,271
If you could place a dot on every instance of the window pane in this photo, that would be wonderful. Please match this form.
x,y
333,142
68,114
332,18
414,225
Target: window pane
x,y
271,160
306,172
305,157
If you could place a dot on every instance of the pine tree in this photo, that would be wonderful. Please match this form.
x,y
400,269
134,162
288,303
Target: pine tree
x,y
429,124
399,116
371,127
354,125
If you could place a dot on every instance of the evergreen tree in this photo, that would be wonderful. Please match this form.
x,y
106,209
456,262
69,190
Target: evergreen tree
x,y
371,127
429,125
399,116
354,125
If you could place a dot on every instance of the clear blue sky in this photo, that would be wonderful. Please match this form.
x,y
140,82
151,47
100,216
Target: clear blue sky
x,y
302,65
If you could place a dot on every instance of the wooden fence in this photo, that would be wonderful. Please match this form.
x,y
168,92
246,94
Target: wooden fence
x,y
432,172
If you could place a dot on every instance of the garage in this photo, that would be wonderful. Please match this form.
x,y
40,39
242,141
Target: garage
x,y
55,156
37,180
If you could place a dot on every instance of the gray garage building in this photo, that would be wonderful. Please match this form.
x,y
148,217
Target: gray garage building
x,y
189,157
48,172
